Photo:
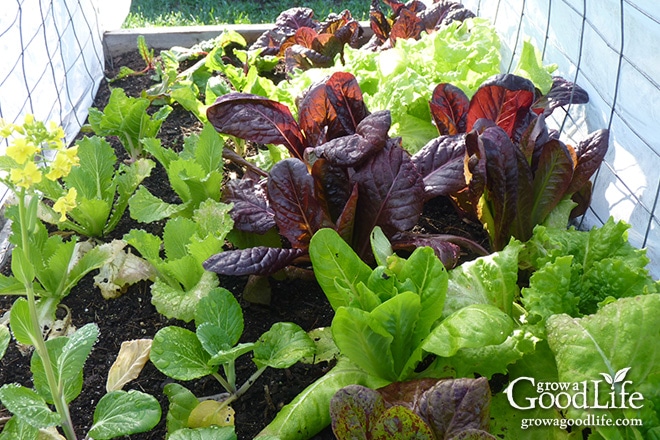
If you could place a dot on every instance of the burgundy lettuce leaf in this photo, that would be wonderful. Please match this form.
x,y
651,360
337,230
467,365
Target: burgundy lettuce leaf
x,y
533,138
251,211
346,220
407,25
457,405
441,164
353,410
353,150
562,92
551,179
379,23
505,99
256,119
303,58
332,109
522,226
391,195
292,196
590,154
501,181
443,13
449,107
259,260
583,199
286,24
447,251
396,7
332,187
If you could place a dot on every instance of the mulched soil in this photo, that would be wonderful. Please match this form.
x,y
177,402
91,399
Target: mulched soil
x,y
132,316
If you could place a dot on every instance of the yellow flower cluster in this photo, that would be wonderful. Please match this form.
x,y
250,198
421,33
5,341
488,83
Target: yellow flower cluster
x,y
27,145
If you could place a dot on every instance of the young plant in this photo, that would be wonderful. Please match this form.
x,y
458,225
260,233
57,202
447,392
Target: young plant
x,y
345,173
45,267
147,56
195,175
516,172
425,409
185,355
127,118
101,191
187,242
389,323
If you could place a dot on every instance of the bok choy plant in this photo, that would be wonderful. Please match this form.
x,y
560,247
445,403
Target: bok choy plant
x,y
47,268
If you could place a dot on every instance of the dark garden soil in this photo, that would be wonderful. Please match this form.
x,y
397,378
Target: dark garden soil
x,y
132,316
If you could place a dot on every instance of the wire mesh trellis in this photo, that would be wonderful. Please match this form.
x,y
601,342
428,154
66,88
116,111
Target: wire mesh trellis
x,y
52,61
608,47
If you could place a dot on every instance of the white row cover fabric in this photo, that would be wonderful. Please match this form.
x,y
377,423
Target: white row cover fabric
x,y
610,48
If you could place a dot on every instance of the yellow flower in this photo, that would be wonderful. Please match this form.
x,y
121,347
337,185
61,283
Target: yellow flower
x,y
56,131
21,150
65,203
27,176
6,128
63,163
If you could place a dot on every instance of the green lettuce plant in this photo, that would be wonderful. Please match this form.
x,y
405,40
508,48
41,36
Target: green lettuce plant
x,y
127,118
195,174
181,281
185,355
46,269
102,189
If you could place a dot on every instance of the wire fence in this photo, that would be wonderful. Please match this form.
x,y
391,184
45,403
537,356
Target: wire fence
x,y
52,61
609,48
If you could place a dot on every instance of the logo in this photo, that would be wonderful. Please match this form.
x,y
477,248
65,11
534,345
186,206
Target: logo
x,y
593,394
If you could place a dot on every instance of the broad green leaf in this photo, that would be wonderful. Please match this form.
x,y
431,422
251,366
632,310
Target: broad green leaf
x,y
53,273
128,179
177,353
148,245
90,260
182,402
282,346
221,309
146,208
474,326
163,155
213,218
120,413
425,270
75,352
209,149
184,272
5,337
211,413
487,280
176,303
549,291
18,429
326,349
21,324
176,236
530,66
132,357
92,215
620,335
368,347
380,246
28,406
337,267
22,267
71,385
226,356
399,317
92,178
210,433
309,412
181,170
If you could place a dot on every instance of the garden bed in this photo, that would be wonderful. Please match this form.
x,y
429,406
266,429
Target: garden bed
x,y
132,316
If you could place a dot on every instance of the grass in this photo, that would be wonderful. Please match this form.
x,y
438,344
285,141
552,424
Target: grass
x,y
154,13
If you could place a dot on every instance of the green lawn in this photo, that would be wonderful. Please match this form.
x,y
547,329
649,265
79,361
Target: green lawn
x,y
149,13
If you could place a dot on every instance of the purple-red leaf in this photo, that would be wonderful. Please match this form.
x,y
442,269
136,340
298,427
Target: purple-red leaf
x,y
449,107
443,13
561,93
258,260
407,25
346,220
551,179
354,410
345,96
332,187
441,163
447,251
352,150
505,99
300,57
378,22
590,154
298,213
391,194
256,119
250,212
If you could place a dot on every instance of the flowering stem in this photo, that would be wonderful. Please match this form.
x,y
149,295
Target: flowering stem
x,y
37,336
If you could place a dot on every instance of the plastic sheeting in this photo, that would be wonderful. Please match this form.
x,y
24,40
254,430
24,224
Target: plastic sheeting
x,y
608,47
